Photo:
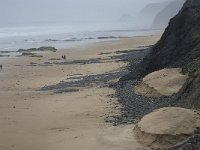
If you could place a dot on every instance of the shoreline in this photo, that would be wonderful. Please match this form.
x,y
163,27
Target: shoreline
x,y
75,111
74,46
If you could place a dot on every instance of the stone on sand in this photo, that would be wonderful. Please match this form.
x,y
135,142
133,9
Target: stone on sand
x,y
166,127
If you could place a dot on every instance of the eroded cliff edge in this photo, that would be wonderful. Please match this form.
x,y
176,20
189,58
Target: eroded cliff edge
x,y
179,47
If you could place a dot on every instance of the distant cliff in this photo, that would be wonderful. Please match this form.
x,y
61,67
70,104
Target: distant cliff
x,y
162,18
179,46
149,12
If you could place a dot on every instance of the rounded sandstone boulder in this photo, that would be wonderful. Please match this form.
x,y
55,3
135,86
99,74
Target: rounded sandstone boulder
x,y
166,127
165,82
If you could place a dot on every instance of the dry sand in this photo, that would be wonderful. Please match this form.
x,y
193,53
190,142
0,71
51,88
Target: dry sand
x,y
34,120
165,82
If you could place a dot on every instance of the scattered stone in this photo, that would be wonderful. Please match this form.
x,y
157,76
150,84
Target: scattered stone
x,y
42,49
30,54
4,55
105,53
99,80
81,62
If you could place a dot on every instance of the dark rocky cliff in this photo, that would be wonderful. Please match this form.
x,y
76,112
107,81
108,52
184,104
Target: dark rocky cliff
x,y
179,46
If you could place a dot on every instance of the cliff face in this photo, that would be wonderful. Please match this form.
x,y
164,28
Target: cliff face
x,y
180,47
162,18
180,43
148,13
190,93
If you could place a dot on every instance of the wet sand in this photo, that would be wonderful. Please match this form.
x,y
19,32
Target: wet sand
x,y
44,120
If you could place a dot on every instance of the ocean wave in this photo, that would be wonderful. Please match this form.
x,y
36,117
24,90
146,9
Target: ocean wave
x,y
6,52
86,38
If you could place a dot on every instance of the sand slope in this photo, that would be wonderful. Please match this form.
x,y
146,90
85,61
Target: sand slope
x,y
163,82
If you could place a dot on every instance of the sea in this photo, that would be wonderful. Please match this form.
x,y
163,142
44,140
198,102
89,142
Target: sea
x,y
63,36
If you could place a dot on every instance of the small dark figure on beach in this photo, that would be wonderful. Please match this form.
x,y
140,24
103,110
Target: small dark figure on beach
x,y
63,57
1,67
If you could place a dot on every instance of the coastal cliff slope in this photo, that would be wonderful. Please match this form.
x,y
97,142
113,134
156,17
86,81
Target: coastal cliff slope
x,y
179,46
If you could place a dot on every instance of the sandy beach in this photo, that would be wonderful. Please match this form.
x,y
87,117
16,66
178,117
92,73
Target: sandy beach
x,y
35,119
100,75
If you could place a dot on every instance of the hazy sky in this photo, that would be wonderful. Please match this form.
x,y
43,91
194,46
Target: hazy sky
x,y
22,11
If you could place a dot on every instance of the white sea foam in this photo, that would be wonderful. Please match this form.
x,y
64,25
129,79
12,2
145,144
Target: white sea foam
x,y
62,36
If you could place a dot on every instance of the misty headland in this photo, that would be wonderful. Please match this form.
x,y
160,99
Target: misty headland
x,y
97,75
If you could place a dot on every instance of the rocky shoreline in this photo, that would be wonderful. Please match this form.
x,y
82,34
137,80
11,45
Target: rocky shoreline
x,y
177,48
134,107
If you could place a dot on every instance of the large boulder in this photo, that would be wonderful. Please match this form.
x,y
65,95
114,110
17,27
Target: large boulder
x,y
165,82
166,127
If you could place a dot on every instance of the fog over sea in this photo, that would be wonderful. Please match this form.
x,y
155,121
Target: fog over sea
x,y
60,36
